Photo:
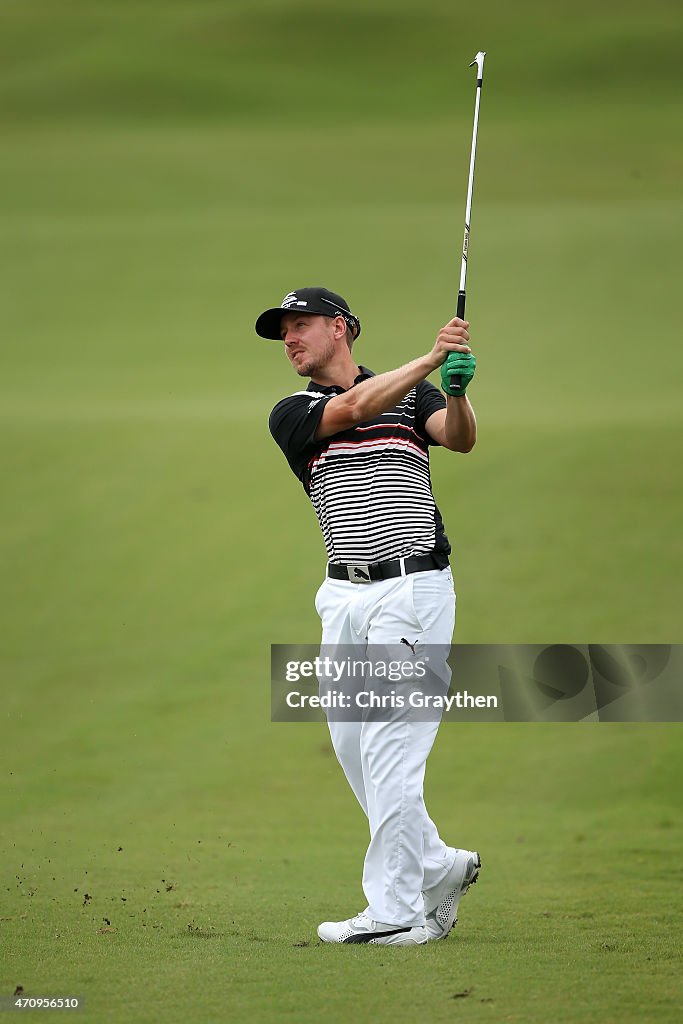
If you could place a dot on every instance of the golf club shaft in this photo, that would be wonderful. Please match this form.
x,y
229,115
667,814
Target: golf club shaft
x,y
460,312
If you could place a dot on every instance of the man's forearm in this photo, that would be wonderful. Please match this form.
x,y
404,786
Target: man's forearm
x,y
378,394
460,425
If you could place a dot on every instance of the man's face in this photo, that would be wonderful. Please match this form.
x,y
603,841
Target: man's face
x,y
309,341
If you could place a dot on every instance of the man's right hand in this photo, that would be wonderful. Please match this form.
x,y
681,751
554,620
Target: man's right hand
x,y
453,337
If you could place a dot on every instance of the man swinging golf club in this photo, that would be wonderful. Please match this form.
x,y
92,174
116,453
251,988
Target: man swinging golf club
x,y
359,444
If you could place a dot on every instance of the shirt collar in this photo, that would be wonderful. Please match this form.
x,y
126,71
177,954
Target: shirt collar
x,y
336,389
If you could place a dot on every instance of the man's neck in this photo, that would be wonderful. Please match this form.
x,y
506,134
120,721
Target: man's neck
x,y
340,372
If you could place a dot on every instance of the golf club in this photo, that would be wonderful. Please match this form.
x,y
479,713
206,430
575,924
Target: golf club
x,y
479,61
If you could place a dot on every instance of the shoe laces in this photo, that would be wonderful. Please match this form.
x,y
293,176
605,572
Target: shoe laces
x,y
363,920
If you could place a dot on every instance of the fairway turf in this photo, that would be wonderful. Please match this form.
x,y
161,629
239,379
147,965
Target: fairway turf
x,y
575,916
164,178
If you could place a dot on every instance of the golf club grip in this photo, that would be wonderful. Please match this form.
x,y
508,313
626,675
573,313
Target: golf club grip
x,y
460,312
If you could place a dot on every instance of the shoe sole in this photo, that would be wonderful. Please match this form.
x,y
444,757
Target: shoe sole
x,y
445,917
398,941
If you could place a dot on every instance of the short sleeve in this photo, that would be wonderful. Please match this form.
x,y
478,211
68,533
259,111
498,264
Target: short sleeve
x,y
428,400
293,423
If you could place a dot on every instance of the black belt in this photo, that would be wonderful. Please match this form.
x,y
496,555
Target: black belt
x,y
358,572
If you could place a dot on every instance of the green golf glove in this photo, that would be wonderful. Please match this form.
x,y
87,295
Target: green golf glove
x,y
458,364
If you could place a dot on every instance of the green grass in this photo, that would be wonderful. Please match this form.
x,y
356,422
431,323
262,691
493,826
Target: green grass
x,y
166,170
575,915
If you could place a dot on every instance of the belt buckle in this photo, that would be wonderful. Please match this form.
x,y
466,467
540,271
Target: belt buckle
x,y
359,573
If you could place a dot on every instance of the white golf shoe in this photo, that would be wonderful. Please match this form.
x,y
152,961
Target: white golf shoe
x,y
362,928
441,902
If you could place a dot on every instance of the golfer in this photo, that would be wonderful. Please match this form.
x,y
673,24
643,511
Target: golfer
x,y
359,443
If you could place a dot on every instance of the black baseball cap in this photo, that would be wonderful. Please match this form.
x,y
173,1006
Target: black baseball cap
x,y
320,301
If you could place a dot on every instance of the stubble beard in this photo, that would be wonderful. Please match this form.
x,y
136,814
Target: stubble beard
x,y
315,363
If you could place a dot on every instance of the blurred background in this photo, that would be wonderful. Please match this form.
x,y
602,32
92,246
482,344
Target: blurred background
x,y
170,169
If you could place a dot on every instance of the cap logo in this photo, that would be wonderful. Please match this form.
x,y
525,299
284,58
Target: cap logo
x,y
292,300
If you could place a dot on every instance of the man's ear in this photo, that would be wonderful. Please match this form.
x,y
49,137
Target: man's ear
x,y
339,327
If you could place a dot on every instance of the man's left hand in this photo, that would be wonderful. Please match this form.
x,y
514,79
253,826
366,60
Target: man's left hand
x,y
457,364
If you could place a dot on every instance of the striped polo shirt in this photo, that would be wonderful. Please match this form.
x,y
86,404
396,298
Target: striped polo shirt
x,y
369,485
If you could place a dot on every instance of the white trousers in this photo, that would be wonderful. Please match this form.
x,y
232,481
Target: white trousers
x,y
384,762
